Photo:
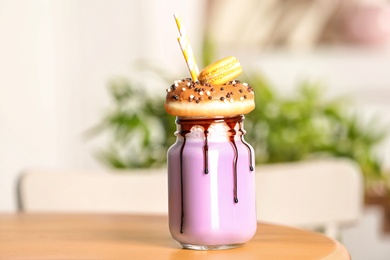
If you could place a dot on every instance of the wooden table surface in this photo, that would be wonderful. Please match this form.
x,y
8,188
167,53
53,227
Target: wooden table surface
x,y
116,236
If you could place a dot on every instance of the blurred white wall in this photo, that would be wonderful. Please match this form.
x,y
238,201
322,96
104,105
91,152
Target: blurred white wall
x,y
56,58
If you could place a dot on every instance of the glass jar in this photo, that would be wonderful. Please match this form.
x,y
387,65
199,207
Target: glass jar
x,y
211,183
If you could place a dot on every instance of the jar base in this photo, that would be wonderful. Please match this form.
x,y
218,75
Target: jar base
x,y
212,247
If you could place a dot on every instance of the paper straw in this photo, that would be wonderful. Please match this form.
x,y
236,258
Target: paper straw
x,y
189,57
179,24
186,49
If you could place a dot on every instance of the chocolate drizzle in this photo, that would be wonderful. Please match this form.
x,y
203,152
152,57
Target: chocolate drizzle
x,y
206,152
249,149
235,158
235,168
183,134
186,125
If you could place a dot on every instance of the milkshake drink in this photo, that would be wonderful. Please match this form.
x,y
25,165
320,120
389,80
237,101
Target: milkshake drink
x,y
211,166
211,185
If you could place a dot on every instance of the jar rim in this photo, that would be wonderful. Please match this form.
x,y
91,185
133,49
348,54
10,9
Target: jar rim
x,y
216,119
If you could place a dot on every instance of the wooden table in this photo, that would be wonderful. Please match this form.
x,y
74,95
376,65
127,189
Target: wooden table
x,y
100,236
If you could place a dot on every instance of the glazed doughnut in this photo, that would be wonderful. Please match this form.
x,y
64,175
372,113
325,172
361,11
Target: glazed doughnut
x,y
221,71
186,98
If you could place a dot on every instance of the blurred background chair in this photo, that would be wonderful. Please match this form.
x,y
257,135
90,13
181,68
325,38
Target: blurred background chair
x,y
138,191
322,195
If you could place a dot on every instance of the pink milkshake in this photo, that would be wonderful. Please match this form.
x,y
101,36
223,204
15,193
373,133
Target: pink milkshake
x,y
211,178
211,184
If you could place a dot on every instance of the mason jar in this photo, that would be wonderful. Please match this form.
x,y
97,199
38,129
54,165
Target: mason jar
x,y
211,183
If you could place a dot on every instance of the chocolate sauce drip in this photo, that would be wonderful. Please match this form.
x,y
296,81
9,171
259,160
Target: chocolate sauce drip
x,y
206,152
181,182
235,158
249,149
185,128
250,154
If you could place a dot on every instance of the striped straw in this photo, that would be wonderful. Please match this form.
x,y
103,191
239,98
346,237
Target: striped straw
x,y
182,31
186,49
189,57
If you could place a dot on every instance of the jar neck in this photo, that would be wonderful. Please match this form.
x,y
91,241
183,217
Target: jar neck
x,y
218,125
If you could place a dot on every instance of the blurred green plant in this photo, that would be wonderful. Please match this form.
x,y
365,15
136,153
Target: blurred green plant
x,y
306,125
137,127
281,129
